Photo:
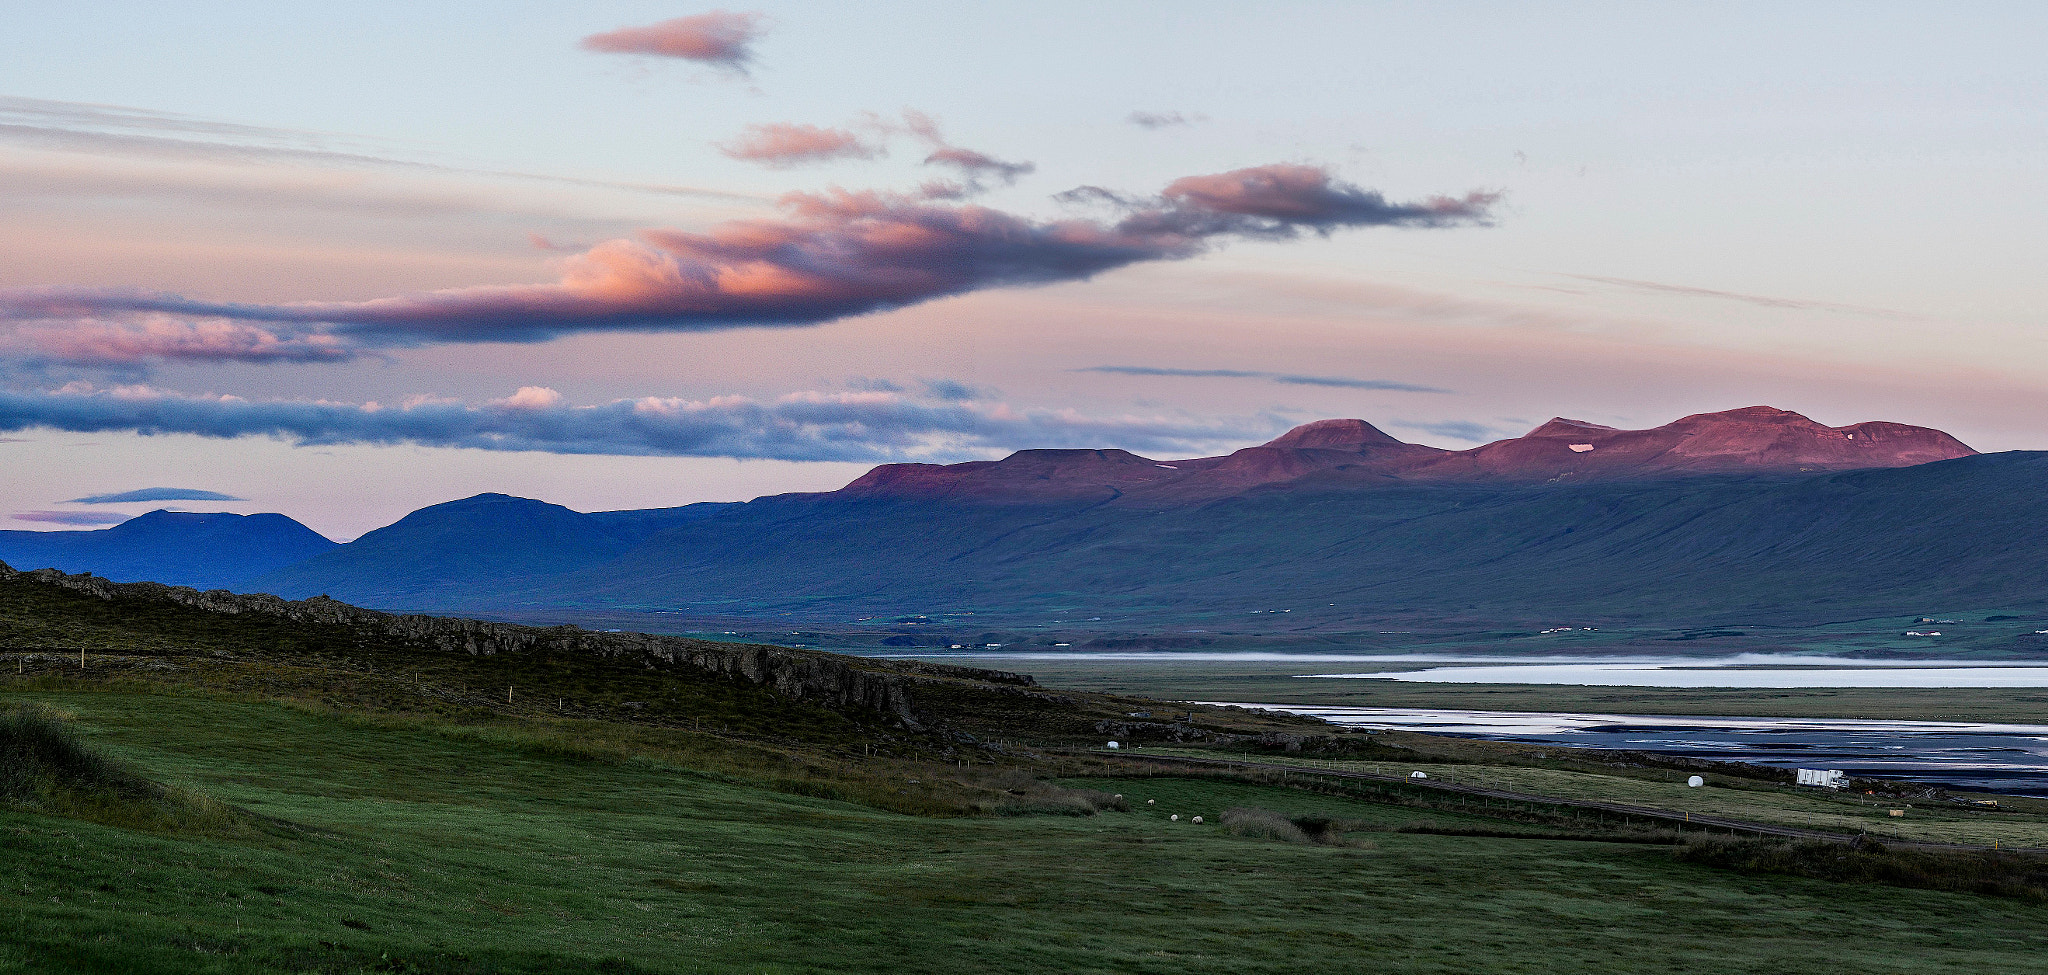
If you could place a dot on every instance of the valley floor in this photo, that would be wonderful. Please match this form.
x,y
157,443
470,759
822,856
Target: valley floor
x,y
429,849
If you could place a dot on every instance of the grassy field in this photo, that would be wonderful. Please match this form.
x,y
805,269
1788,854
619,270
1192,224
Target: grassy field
x,y
424,847
1273,683
2021,823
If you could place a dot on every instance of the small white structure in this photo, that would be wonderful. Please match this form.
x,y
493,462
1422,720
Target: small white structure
x,y
1418,775
1113,746
1198,819
1695,782
1823,778
1175,817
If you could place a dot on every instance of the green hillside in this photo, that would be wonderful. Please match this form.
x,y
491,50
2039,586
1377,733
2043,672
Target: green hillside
x,y
200,782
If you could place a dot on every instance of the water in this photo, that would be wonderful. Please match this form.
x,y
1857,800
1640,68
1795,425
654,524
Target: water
x,y
2009,758
1781,673
1742,670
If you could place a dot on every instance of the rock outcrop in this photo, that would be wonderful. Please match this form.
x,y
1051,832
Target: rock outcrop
x,y
832,680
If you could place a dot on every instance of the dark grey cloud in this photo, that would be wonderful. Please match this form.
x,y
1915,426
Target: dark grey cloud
x,y
1162,120
954,391
1346,382
975,165
857,426
154,494
1342,382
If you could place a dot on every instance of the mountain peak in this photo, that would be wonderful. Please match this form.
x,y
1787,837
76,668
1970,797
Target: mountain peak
x,y
1333,435
1562,427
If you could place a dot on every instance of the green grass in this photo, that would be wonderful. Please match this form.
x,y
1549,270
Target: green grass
x,y
1725,796
418,847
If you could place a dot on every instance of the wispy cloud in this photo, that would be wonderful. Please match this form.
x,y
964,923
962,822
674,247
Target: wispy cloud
x,y
154,494
720,39
163,338
1345,382
1766,301
975,165
112,130
76,518
1342,382
1163,120
805,426
783,144
1455,429
829,256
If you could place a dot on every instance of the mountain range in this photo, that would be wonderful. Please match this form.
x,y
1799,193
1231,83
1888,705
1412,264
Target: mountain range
x,y
1754,514
205,550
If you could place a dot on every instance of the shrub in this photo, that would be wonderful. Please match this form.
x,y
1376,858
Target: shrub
x,y
46,766
1264,824
40,753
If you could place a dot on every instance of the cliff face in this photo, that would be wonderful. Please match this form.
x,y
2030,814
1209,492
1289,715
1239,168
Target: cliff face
x,y
831,680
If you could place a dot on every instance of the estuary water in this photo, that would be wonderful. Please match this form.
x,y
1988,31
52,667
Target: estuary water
x,y
2009,758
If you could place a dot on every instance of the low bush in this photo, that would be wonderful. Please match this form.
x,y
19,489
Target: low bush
x,y
1257,823
41,753
46,766
1263,824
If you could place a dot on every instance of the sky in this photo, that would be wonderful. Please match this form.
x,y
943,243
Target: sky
x,y
344,261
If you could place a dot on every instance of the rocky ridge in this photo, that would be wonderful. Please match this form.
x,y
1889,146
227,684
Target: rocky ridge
x,y
885,687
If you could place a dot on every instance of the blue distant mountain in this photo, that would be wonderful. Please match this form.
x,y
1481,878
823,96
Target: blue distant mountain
x,y
204,550
1752,515
477,546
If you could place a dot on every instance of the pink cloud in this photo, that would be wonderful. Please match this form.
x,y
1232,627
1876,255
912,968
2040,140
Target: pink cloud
x,y
80,518
720,38
782,144
158,337
829,255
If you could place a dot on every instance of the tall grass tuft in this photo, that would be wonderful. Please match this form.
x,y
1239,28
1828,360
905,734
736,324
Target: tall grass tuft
x,y
41,753
45,765
1262,824
1265,824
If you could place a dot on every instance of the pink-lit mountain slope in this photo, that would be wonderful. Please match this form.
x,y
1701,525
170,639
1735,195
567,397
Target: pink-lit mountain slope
x,y
1757,439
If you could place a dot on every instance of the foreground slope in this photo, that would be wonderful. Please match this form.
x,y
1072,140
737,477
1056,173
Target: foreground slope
x,y
424,849
804,699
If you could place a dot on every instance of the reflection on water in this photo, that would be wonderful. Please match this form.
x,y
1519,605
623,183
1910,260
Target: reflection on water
x,y
2008,758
